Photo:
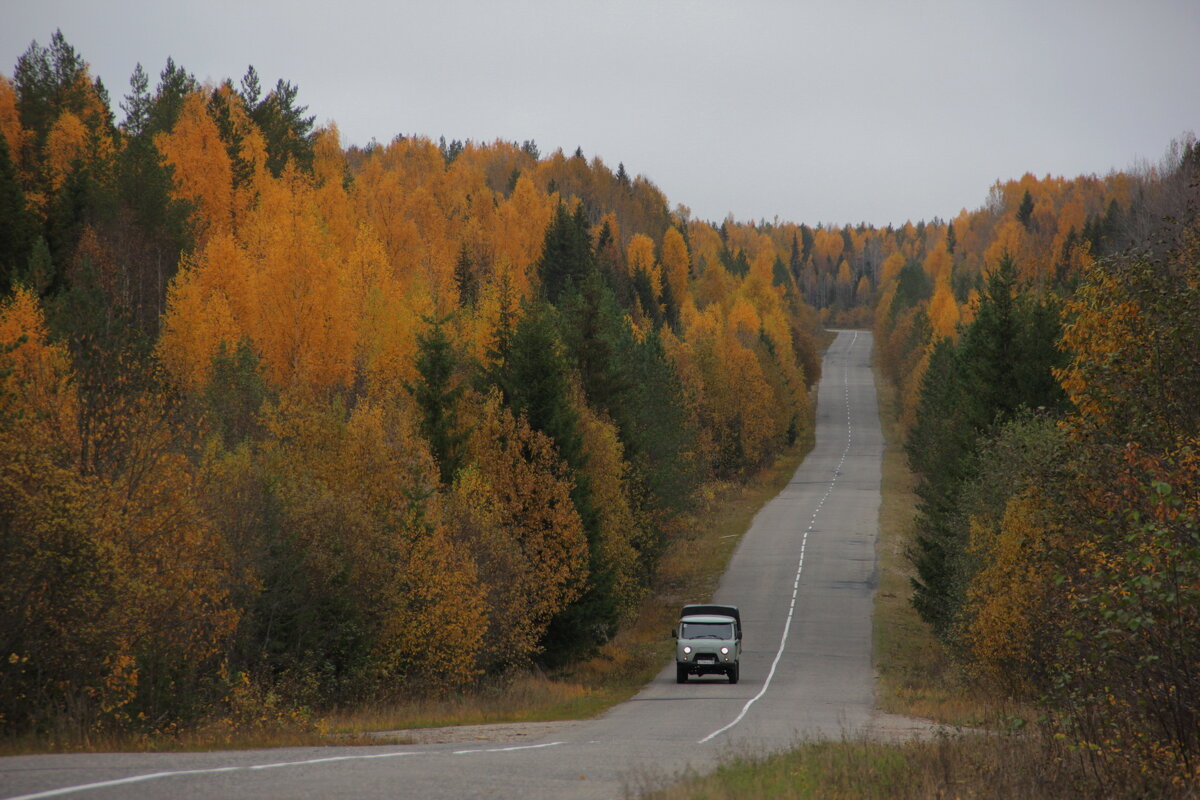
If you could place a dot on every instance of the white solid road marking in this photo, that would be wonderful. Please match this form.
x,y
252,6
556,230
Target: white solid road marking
x,y
787,625
214,770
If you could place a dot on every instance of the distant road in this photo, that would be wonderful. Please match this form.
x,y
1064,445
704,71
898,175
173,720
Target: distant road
x,y
804,576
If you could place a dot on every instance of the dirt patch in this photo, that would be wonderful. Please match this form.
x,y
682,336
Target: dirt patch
x,y
899,728
516,732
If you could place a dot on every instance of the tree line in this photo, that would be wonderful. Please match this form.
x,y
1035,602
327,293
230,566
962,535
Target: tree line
x,y
285,424
1054,432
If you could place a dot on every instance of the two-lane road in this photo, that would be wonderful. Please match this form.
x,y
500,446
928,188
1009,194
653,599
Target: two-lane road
x,y
803,575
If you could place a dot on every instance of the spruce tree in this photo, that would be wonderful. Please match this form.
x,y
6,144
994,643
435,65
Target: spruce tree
x,y
17,226
437,393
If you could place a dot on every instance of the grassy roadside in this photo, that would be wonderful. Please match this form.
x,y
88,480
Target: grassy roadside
x,y
947,767
915,677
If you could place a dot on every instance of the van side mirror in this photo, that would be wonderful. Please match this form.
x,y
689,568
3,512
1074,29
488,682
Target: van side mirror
x,y
674,633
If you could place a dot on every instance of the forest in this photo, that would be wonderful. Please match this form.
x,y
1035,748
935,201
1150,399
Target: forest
x,y
273,409
282,418
1053,425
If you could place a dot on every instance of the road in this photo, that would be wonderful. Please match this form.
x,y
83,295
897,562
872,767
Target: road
x,y
804,576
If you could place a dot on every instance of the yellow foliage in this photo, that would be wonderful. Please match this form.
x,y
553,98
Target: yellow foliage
x,y
619,530
201,169
943,312
1009,240
521,223
511,510
938,264
639,257
66,143
40,381
891,268
1006,596
11,129
675,264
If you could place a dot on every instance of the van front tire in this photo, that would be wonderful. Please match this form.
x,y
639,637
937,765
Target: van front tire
x,y
680,673
733,674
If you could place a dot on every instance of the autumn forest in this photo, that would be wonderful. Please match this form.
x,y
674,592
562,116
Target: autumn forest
x,y
281,417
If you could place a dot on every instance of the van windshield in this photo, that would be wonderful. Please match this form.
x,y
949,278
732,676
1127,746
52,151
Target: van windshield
x,y
707,630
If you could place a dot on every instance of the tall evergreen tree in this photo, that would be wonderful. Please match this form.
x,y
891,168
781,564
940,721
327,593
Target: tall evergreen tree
x,y
288,131
1025,210
437,393
236,392
567,256
17,226
464,277
1001,365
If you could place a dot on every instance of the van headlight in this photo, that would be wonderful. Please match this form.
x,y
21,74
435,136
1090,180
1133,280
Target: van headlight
x,y
686,649
724,651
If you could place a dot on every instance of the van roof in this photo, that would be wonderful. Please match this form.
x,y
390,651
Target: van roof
x,y
697,609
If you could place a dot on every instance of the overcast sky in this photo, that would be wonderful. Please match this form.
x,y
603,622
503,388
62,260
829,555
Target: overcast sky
x,y
813,112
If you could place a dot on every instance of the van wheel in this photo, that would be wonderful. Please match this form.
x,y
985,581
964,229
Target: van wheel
x,y
733,674
680,674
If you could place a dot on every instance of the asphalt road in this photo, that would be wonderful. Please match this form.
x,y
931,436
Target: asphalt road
x,y
803,576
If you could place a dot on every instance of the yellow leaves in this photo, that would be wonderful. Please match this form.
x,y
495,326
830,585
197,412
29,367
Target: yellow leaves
x,y
639,257
1004,600
743,321
891,268
734,406
943,312
40,383
209,302
10,121
675,264
1103,323
938,264
512,511
65,144
619,529
360,507
201,168
1009,240
521,223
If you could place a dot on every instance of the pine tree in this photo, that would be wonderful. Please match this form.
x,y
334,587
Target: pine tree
x,y
567,256
16,225
437,394
1025,211
464,277
236,393
1001,365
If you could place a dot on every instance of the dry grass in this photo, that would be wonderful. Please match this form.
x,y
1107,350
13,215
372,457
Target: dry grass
x,y
997,767
916,677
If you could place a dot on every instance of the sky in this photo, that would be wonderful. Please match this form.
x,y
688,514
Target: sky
x,y
817,112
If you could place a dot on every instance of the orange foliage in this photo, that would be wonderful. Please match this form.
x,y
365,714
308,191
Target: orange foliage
x,y
202,172
65,144
1006,597
10,122
676,263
